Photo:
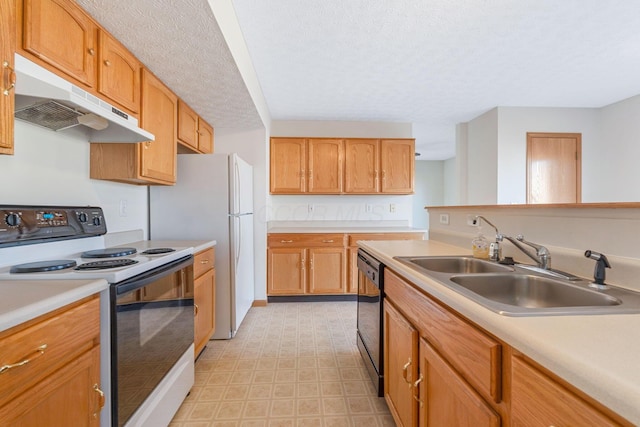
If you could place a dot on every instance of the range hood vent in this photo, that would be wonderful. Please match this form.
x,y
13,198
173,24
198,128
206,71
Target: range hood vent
x,y
45,99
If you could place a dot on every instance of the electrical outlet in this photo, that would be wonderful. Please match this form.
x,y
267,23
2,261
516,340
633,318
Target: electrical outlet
x,y
444,219
392,207
123,207
368,208
310,208
472,221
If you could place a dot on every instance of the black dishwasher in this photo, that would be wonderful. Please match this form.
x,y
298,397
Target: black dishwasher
x,y
369,319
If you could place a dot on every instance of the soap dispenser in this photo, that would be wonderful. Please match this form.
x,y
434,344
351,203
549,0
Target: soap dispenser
x,y
480,246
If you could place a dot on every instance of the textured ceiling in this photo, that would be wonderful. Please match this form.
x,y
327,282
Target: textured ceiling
x,y
434,63
181,43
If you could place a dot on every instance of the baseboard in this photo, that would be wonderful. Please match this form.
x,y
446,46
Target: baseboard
x,y
312,298
259,303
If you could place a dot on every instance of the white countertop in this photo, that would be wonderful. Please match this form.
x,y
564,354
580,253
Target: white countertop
x,y
597,354
23,300
345,229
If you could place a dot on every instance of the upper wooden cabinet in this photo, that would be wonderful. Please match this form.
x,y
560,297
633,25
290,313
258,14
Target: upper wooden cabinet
x,y
7,99
288,165
361,166
152,162
337,166
62,35
325,166
194,134
118,73
397,165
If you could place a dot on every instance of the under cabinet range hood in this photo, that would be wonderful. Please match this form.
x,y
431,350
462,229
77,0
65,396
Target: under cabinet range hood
x,y
46,99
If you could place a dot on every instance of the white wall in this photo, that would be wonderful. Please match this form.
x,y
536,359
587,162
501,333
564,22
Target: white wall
x,y
429,190
451,189
340,207
617,155
482,159
52,168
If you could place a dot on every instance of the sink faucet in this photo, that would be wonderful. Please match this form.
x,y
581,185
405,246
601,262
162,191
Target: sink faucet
x,y
495,252
541,256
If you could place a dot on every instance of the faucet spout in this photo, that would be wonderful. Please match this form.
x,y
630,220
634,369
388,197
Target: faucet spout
x,y
541,256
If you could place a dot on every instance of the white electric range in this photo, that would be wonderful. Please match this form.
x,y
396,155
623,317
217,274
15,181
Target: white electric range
x,y
146,315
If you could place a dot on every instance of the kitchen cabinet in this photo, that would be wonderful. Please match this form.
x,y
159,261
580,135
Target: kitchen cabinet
x,y
195,135
339,166
539,400
118,73
325,166
204,298
397,165
60,383
7,98
151,162
62,37
352,252
452,376
299,263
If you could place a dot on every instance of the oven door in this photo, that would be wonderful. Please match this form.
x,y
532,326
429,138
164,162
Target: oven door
x,y
151,328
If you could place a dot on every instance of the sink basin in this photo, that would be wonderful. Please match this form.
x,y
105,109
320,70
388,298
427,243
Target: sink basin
x,y
522,290
455,264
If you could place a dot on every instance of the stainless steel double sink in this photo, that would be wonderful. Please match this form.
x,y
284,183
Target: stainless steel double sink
x,y
512,290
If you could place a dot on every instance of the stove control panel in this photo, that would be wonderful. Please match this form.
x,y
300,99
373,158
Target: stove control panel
x,y
23,225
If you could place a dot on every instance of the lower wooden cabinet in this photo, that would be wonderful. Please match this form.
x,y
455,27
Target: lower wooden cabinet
x,y
327,270
204,298
7,75
60,384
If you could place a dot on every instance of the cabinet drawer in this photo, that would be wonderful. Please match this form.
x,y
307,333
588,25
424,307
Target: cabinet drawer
x,y
62,336
203,261
475,355
281,240
353,238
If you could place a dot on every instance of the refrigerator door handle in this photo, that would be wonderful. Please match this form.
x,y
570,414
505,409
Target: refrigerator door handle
x,y
239,238
238,186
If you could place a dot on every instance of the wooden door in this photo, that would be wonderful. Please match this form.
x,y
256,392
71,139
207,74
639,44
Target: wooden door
x,y
158,116
537,400
60,34
361,166
445,398
66,398
286,271
325,166
187,126
327,270
204,300
7,99
554,171
397,164
288,165
205,137
118,73
400,367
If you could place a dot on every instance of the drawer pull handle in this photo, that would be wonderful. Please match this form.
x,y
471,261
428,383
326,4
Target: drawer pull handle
x,y
12,78
204,261
38,352
96,388
286,241
328,241
404,372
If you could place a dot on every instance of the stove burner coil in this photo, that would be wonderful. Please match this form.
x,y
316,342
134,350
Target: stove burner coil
x,y
158,251
109,253
40,266
105,264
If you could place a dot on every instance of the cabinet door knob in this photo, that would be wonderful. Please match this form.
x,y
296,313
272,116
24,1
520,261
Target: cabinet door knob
x,y
91,51
37,352
107,63
12,78
195,309
405,369
96,388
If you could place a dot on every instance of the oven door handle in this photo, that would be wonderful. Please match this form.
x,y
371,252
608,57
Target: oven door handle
x,y
144,279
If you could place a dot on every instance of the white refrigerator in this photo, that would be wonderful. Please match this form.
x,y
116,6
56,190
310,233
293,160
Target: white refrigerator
x,y
213,200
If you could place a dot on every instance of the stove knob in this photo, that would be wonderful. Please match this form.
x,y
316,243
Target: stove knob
x,y
82,217
12,220
97,221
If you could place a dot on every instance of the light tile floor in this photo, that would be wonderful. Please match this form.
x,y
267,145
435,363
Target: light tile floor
x,y
290,364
